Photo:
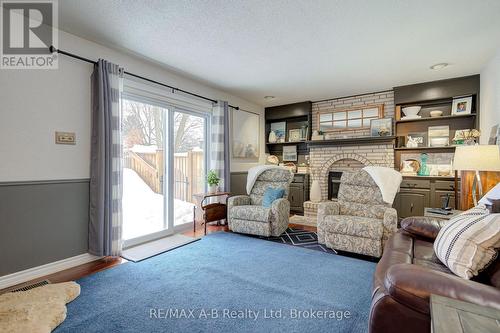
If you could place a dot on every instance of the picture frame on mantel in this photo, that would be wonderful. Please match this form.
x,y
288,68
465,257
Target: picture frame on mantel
x,y
381,127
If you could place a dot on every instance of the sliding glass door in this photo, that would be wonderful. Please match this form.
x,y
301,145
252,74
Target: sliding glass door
x,y
164,151
144,195
189,163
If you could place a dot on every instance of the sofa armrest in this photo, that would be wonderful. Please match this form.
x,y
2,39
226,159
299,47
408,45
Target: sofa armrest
x,y
328,208
421,226
238,200
412,286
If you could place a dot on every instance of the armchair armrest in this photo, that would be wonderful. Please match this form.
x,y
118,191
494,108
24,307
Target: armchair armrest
x,y
390,223
412,286
426,227
328,208
280,211
238,200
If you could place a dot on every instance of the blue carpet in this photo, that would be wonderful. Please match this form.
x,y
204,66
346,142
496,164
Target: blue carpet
x,y
226,272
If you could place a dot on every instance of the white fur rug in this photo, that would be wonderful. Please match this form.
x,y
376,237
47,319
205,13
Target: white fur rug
x,y
38,310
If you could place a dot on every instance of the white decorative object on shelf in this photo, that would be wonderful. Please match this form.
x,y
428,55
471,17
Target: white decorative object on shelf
x,y
411,111
272,137
315,195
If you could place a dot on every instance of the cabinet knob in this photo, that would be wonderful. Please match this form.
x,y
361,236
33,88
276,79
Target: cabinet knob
x,y
411,207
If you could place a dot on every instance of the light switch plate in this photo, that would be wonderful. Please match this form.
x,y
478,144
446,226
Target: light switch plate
x,y
65,138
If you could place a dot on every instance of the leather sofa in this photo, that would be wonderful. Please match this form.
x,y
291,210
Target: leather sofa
x,y
409,272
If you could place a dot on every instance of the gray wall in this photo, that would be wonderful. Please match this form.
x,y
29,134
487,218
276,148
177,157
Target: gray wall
x,y
42,222
238,183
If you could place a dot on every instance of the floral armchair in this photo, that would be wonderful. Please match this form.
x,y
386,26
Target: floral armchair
x,y
360,221
246,213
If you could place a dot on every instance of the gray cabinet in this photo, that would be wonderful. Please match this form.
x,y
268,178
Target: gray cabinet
x,y
299,192
416,194
412,202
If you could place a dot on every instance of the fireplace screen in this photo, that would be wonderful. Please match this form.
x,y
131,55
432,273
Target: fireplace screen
x,y
333,184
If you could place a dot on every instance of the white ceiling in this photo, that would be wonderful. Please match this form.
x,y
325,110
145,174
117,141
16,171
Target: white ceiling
x,y
296,50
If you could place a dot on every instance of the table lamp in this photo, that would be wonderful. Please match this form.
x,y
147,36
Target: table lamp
x,y
477,158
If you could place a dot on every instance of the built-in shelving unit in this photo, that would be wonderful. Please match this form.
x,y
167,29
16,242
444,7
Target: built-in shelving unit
x,y
418,192
296,116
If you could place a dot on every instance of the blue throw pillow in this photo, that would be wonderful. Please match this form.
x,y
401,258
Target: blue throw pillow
x,y
272,194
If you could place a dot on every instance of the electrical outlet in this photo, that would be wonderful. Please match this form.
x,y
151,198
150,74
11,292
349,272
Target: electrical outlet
x,y
65,138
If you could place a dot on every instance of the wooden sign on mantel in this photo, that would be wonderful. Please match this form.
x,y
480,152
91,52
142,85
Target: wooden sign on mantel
x,y
488,179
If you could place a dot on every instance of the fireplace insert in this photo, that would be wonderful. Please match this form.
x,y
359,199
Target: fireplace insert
x,y
333,184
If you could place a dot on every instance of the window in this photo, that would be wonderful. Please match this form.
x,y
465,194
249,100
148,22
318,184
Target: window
x,y
349,119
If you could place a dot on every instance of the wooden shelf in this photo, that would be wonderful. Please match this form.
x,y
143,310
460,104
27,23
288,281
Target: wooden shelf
x,y
427,148
352,141
435,118
285,143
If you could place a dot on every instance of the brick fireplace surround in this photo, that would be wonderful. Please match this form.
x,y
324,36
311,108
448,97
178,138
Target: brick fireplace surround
x,y
324,159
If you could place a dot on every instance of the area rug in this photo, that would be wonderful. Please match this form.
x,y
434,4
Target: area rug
x,y
301,238
227,283
153,248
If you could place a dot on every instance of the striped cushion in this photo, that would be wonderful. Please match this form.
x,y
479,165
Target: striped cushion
x,y
469,242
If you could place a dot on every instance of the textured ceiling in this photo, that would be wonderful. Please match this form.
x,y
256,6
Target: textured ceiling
x,y
296,50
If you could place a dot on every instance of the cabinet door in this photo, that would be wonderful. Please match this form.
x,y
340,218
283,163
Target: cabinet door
x,y
412,203
296,197
439,196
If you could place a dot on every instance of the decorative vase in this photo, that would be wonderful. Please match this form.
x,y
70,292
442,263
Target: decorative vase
x,y
272,137
212,188
424,168
315,195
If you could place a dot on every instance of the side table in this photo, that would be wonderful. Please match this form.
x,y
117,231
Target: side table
x,y
211,211
454,316
454,213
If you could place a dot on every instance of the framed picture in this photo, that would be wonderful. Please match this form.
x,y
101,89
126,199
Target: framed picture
x,y
381,127
419,139
279,130
439,136
246,143
461,106
289,153
294,135
493,139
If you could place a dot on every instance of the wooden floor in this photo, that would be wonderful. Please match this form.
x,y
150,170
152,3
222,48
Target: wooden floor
x,y
80,271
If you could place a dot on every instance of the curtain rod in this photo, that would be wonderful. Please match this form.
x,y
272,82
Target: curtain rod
x,y
52,49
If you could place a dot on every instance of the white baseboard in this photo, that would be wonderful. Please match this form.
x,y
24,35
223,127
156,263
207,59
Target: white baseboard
x,y
50,268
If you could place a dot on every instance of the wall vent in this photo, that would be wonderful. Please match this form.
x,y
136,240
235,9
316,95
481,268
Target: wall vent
x,y
31,286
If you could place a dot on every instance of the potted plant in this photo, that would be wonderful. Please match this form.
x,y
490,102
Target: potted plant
x,y
213,181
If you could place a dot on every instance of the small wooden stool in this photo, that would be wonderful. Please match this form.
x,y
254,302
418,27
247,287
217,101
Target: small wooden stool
x,y
211,212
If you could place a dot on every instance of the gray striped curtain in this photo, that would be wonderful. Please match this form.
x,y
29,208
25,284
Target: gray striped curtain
x,y
105,226
220,143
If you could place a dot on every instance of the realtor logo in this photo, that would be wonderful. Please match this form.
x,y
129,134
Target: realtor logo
x,y
29,28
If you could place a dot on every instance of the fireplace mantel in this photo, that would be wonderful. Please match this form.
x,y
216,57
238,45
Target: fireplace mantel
x,y
367,140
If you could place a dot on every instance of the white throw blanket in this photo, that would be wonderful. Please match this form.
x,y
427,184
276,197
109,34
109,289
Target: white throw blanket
x,y
387,179
254,173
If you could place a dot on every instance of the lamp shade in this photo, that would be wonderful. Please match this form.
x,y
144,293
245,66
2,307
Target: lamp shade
x,y
477,158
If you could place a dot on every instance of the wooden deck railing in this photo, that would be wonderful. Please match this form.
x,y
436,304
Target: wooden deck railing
x,y
188,171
